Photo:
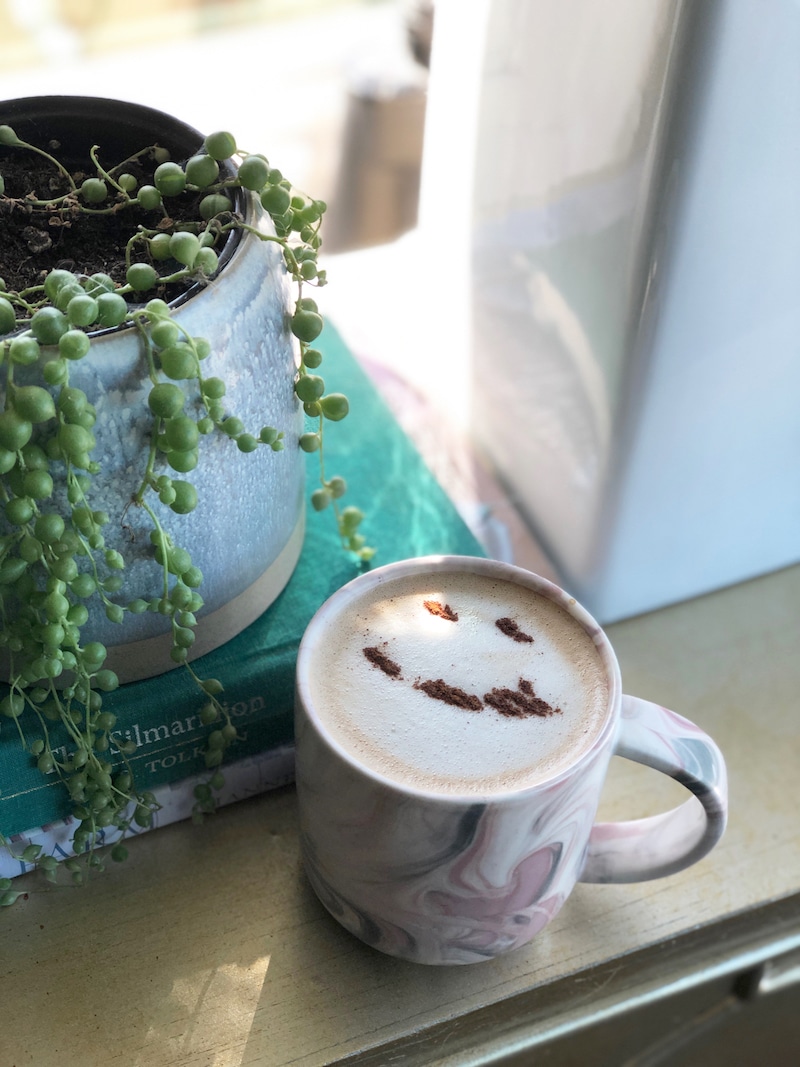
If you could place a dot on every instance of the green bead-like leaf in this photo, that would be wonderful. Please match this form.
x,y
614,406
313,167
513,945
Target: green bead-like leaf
x,y
8,319
141,277
335,406
220,145
166,400
306,325
169,179
34,403
253,171
15,430
202,171
48,324
94,190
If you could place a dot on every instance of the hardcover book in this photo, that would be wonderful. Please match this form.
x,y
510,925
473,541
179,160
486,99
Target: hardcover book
x,y
408,514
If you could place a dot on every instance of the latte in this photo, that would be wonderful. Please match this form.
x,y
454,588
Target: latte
x,y
458,683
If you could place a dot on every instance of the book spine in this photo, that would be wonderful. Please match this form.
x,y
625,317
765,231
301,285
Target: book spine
x,y
245,778
169,736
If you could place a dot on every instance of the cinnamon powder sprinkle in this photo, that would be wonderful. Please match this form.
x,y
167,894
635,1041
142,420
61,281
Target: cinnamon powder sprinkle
x,y
520,702
440,690
511,629
442,611
381,660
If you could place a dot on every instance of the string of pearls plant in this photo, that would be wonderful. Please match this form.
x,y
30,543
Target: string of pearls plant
x,y
52,563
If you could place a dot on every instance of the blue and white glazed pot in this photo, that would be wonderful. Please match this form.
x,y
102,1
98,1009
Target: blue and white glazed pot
x,y
247,530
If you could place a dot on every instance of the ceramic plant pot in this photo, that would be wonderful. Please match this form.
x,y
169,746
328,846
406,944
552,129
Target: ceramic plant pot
x,y
246,532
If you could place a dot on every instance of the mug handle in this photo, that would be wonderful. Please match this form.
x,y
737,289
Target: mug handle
x,y
641,849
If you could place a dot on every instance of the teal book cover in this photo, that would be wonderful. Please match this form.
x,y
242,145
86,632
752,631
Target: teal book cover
x,y
407,515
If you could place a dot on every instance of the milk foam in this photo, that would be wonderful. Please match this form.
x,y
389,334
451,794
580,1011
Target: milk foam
x,y
387,722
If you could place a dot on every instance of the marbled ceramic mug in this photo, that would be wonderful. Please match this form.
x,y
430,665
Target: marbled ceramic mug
x,y
448,785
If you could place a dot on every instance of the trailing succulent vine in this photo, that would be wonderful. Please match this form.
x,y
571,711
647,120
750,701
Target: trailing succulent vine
x,y
53,561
